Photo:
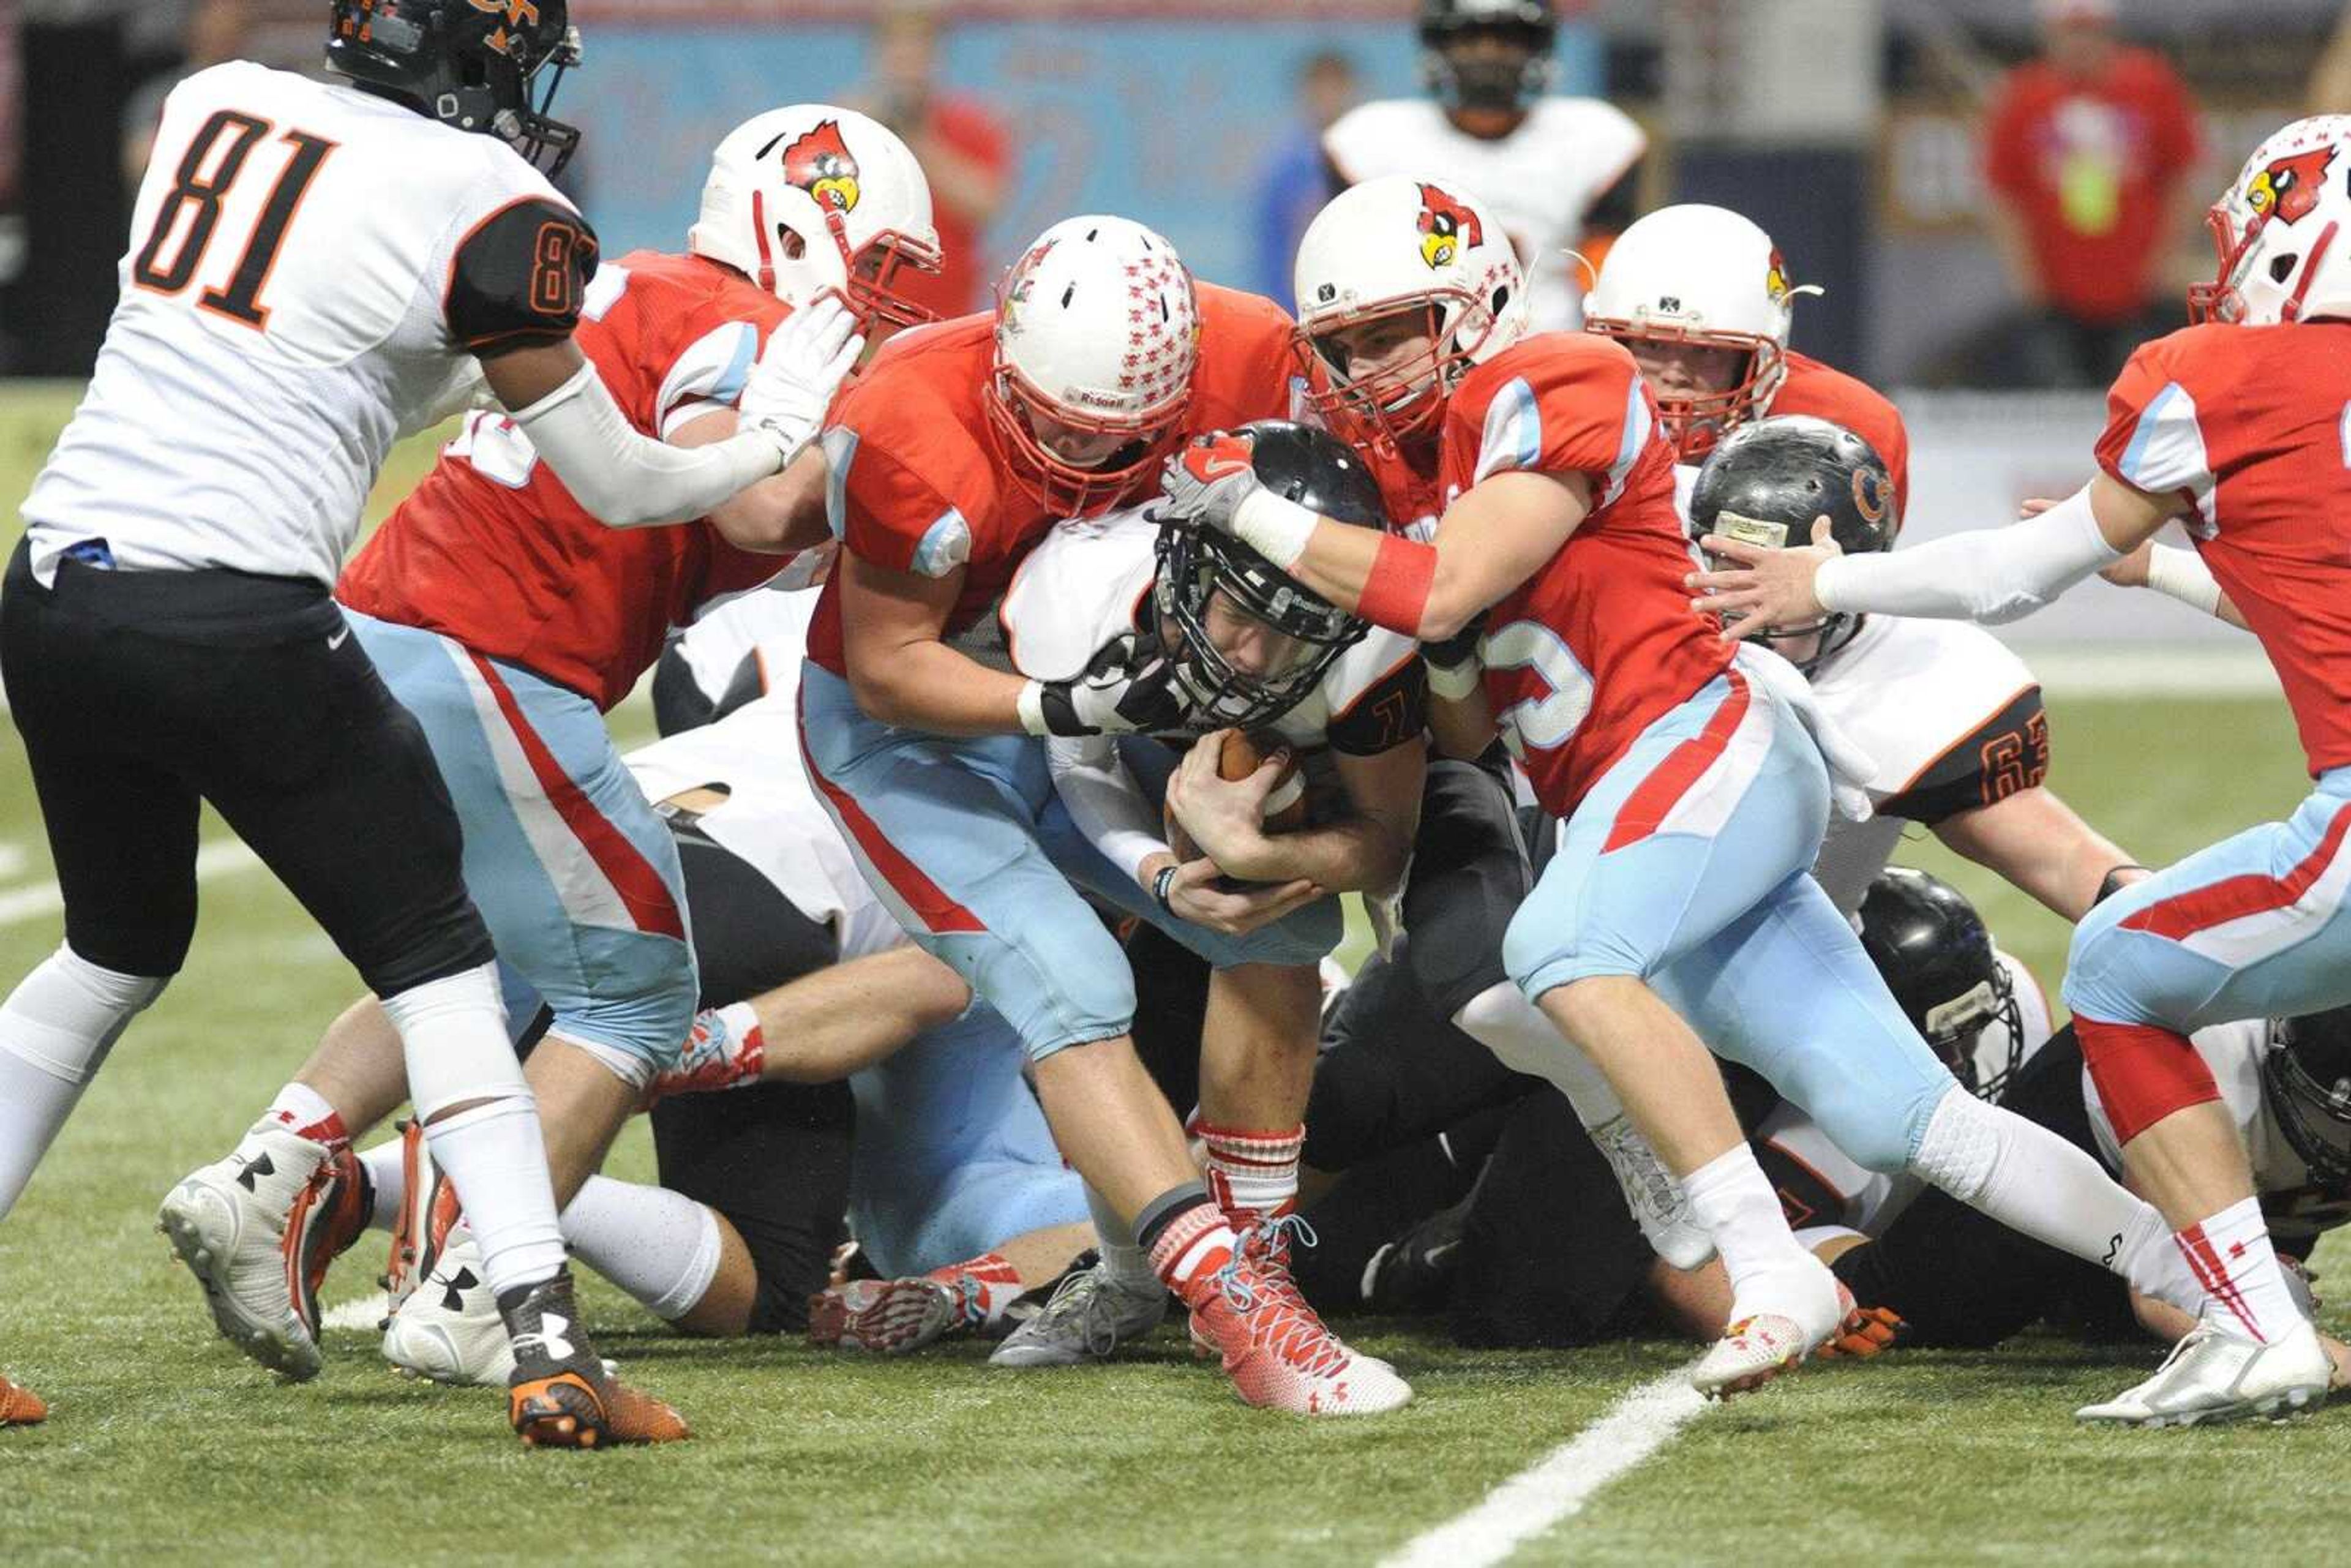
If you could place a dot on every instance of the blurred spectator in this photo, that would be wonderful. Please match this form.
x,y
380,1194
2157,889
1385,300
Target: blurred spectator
x,y
217,31
2330,80
960,144
2087,150
1294,182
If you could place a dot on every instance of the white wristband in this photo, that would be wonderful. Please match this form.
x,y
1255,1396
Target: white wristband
x,y
2182,574
1032,709
1454,682
1276,526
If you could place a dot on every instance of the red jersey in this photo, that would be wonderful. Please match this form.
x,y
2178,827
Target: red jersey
x,y
491,549
2089,164
965,128
1826,392
919,483
1601,641
2247,423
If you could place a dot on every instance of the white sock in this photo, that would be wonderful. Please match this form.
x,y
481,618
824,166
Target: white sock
x,y
1123,1259
1729,1197
2031,1180
453,1032
388,1178
2232,1256
1500,1019
659,1246
300,1107
56,1029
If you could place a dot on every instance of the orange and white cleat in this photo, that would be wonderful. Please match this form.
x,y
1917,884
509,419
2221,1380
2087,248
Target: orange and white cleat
x,y
560,1395
1277,1352
20,1407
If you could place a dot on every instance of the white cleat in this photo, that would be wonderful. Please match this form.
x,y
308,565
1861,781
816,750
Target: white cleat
x,y
2216,1375
1654,1196
1778,1320
227,1222
1090,1316
448,1328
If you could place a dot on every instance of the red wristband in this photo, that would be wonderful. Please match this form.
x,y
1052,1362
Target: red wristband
x,y
1395,594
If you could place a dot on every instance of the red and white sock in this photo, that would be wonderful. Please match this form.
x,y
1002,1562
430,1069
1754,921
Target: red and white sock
x,y
987,1284
1253,1173
306,1111
2230,1256
1188,1253
726,1050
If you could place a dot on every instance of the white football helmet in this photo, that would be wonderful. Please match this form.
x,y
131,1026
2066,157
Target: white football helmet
x,y
2278,229
1096,332
1705,276
1395,245
810,199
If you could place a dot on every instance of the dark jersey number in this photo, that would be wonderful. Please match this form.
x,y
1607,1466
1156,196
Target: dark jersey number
x,y
194,192
554,280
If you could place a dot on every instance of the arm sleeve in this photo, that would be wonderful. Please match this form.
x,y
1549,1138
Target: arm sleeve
x,y
517,277
1104,801
626,479
1990,575
2007,753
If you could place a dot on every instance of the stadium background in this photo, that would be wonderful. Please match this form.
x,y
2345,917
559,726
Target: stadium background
x,y
1848,127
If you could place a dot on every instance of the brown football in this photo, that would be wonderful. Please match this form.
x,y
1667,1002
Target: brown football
x,y
1243,754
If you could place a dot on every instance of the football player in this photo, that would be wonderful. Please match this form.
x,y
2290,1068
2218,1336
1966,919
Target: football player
x,y
1252,652
1656,746
2230,426
507,619
949,461
314,268
1556,168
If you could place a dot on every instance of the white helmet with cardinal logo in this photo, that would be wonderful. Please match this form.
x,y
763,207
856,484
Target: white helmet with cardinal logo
x,y
2279,230
810,199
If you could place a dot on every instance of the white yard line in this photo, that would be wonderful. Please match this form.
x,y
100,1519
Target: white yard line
x,y
219,858
1558,1485
361,1312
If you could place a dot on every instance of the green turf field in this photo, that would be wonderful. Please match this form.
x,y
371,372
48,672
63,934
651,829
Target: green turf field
x,y
165,1446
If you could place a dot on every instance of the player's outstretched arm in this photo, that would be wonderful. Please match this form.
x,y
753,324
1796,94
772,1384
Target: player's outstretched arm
x,y
1990,575
2041,846
782,514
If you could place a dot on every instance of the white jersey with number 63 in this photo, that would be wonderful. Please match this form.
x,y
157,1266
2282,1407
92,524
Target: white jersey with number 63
x,y
310,271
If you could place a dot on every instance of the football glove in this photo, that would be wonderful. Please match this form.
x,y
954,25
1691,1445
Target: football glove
x,y
1207,481
1128,686
806,361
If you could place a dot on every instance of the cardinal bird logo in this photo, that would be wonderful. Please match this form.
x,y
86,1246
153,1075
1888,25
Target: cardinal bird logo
x,y
820,163
1775,277
2289,187
1446,226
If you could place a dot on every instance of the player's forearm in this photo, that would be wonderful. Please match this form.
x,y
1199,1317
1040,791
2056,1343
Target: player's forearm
x,y
1106,805
927,686
1353,854
782,515
2182,574
1425,591
625,479
1461,729
1992,575
823,1027
2038,842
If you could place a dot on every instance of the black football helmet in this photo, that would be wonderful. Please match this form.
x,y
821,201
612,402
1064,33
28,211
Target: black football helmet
x,y
467,63
1318,471
1488,84
1767,480
2306,1079
1932,951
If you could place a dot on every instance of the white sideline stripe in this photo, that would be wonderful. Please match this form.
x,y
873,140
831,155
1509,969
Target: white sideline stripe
x,y
1559,1484
219,858
359,1313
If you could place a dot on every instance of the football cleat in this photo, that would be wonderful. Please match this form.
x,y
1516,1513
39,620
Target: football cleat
x,y
893,1316
1414,1272
328,1215
1277,1352
448,1328
229,1223
1653,1194
20,1407
2216,1375
1089,1315
559,1395
429,1212
1766,1340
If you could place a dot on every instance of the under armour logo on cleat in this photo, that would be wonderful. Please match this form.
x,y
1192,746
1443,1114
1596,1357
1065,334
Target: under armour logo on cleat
x,y
259,1165
453,1299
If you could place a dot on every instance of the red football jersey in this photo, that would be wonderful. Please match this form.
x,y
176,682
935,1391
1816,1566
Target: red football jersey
x,y
1826,392
919,482
2248,423
491,549
1601,641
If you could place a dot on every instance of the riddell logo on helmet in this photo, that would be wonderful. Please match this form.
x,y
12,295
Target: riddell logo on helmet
x,y
1086,397
820,164
2289,188
1446,226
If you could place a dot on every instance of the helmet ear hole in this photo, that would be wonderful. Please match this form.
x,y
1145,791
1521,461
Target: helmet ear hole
x,y
789,241
2282,268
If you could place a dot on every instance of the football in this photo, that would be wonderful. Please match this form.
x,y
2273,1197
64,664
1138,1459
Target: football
x,y
1244,754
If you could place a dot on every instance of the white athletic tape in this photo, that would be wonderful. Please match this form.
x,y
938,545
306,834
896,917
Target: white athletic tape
x,y
1559,1484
